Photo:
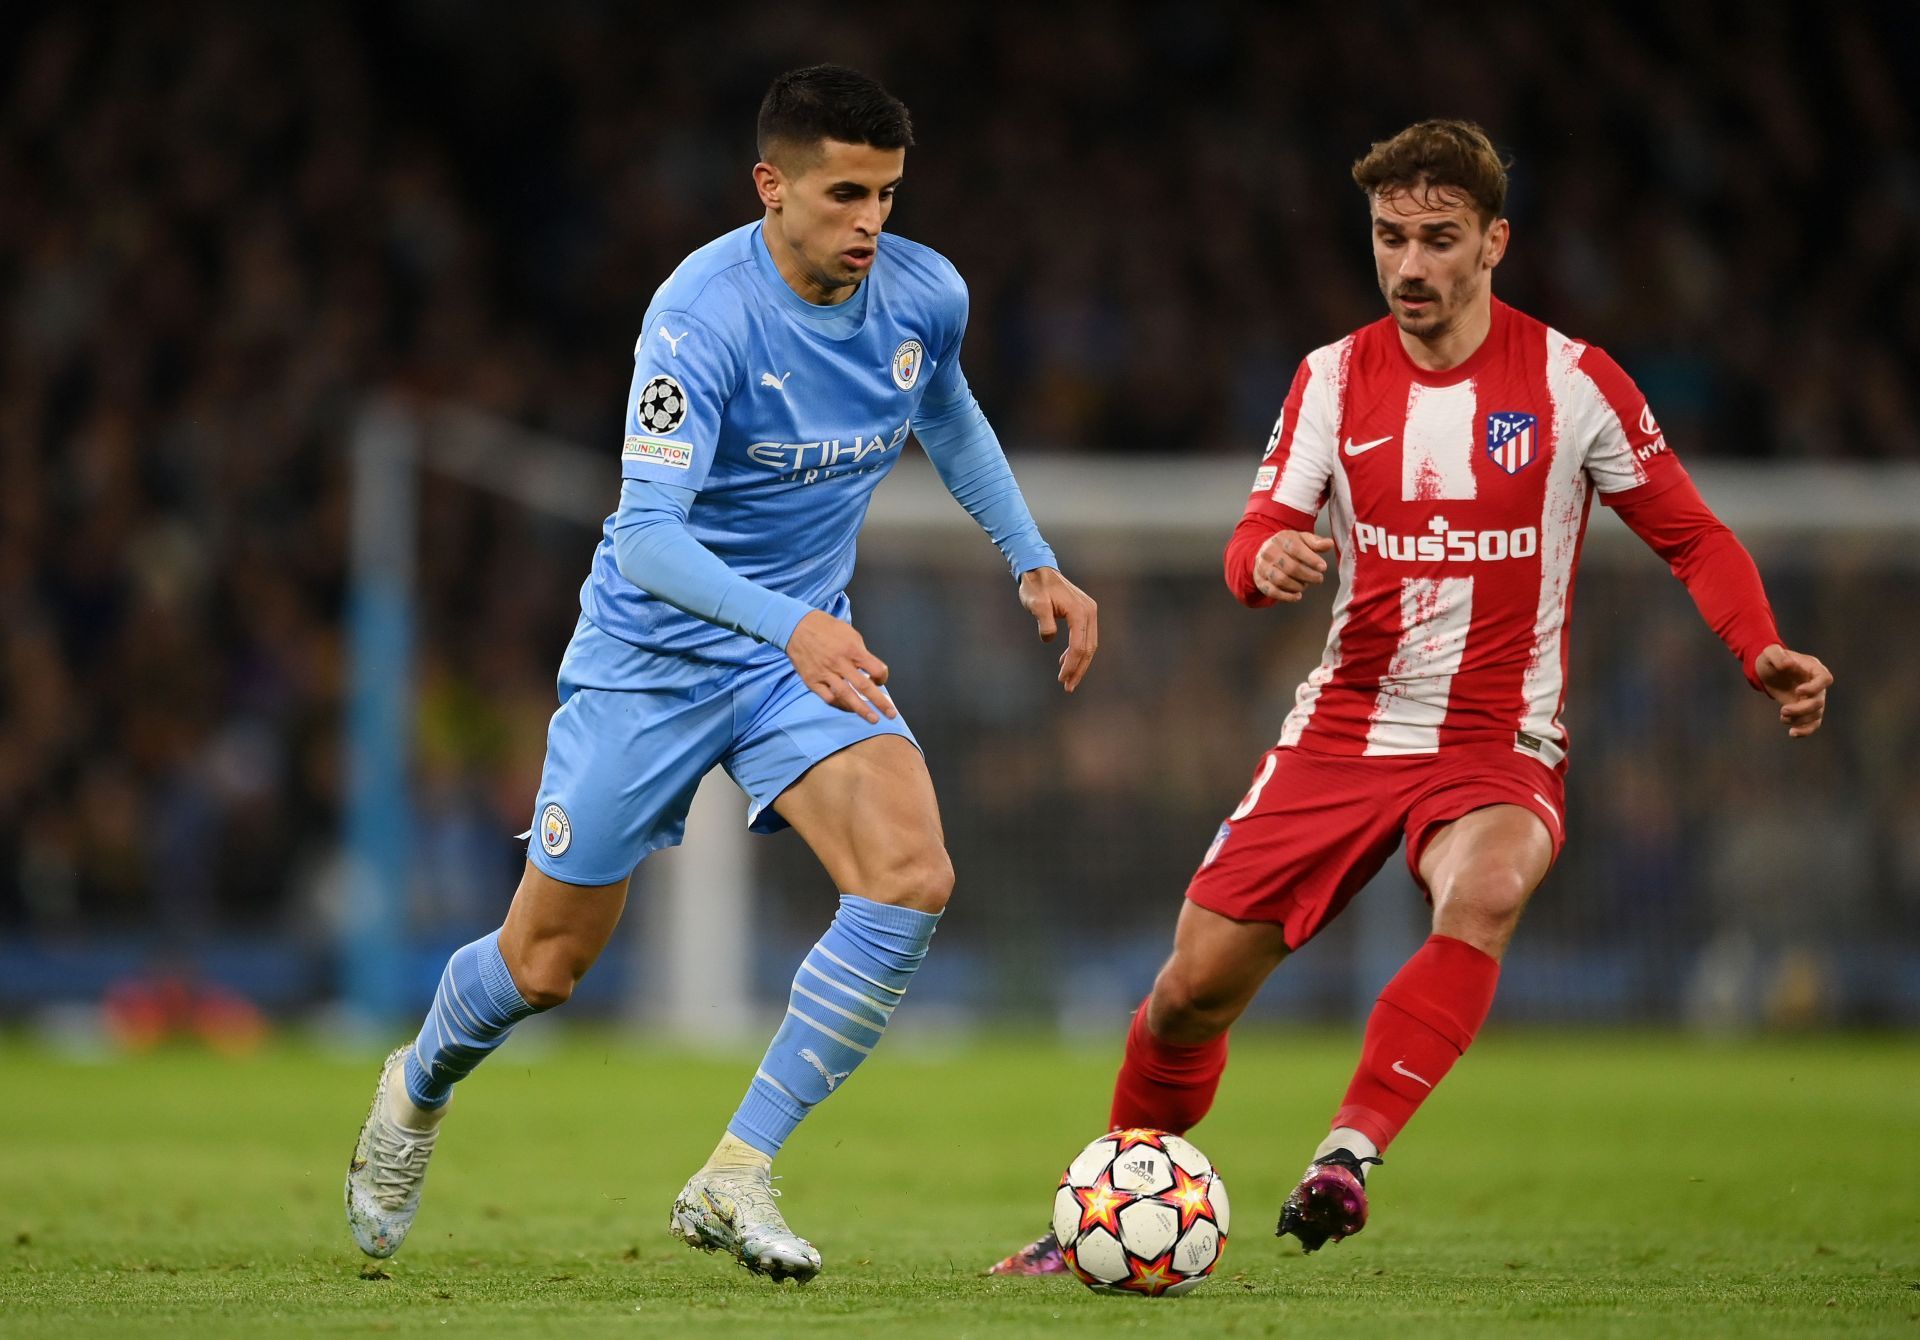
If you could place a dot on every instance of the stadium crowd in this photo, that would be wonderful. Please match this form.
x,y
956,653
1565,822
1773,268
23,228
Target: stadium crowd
x,y
217,235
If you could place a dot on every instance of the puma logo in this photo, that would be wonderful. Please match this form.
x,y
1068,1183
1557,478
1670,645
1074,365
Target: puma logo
x,y
833,1080
673,341
777,383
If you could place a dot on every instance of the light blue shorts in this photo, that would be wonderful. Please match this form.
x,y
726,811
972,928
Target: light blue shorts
x,y
636,732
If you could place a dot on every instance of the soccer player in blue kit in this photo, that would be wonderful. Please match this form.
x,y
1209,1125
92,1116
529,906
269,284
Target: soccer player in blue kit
x,y
778,374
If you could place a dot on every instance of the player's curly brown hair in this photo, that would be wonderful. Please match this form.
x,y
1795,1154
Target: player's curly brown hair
x,y
1438,154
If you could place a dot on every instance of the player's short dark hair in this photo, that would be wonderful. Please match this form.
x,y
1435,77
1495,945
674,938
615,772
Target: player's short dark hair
x,y
830,102
1438,155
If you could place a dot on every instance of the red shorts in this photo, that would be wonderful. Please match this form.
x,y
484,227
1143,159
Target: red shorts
x,y
1315,827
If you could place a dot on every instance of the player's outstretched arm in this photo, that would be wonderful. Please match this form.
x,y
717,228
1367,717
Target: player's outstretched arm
x,y
1799,683
1720,575
966,454
1051,598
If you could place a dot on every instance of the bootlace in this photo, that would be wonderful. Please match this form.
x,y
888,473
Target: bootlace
x,y
754,1192
400,1161
1345,1158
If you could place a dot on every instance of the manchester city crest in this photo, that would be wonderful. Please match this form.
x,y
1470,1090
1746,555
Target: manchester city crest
x,y
906,363
556,830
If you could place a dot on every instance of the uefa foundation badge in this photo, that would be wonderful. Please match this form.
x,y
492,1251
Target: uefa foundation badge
x,y
556,831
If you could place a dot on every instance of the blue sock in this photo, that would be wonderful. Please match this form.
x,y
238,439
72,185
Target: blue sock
x,y
842,997
473,1011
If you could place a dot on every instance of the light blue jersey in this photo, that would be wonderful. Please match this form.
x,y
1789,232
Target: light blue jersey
x,y
757,428
782,416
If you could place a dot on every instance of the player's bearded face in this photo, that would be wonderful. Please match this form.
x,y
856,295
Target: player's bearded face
x,y
1433,257
826,207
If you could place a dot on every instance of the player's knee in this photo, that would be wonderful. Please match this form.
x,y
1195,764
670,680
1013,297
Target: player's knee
x,y
1483,911
545,992
1504,898
922,880
547,976
1188,1010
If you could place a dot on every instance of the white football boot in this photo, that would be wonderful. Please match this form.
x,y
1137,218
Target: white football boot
x,y
732,1210
389,1164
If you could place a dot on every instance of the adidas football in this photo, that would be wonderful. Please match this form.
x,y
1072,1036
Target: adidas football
x,y
1141,1212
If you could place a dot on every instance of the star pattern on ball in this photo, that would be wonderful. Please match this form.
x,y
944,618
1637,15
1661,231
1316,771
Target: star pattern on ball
x,y
1190,1196
1147,1208
1100,1206
1150,1277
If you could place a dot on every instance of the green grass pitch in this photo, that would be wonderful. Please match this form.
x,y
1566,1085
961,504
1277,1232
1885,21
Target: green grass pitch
x,y
1565,1184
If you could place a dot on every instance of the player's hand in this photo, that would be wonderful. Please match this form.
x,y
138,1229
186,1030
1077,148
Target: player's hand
x,y
834,662
1798,683
1289,562
1049,598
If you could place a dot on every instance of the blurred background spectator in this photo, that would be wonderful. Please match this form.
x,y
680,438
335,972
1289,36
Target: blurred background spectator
x,y
221,226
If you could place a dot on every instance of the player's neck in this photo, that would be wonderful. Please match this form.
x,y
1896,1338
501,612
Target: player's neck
x,y
1449,348
797,276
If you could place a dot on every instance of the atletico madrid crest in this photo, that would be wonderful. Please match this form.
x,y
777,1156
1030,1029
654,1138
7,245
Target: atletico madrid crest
x,y
1510,440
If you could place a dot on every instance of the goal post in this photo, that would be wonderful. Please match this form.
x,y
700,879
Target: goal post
x,y
379,708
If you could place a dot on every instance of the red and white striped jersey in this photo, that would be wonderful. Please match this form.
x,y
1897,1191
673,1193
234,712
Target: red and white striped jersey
x,y
1457,501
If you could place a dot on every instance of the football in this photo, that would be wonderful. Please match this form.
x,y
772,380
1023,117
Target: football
x,y
1141,1212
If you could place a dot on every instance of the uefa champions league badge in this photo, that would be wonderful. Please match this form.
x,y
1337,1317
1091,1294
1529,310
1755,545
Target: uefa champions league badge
x,y
1510,440
556,831
1219,841
906,363
662,405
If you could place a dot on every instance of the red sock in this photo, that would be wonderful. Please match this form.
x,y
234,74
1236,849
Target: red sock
x,y
1164,1085
1421,1024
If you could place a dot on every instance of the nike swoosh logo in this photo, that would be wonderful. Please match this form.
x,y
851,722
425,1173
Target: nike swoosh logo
x,y
1355,448
1399,1069
1549,804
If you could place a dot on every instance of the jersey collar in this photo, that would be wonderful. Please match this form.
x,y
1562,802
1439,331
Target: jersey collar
x,y
840,321
1453,376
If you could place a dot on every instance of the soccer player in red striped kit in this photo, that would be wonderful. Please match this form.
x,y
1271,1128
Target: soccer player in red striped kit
x,y
1456,446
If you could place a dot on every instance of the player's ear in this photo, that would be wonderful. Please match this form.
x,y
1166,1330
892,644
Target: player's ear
x,y
1496,246
770,182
